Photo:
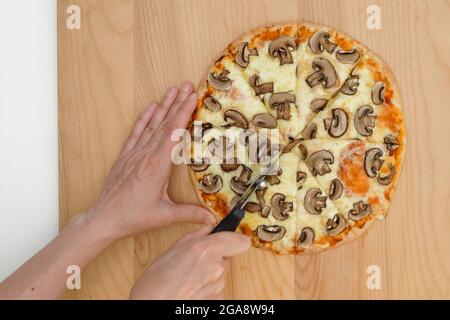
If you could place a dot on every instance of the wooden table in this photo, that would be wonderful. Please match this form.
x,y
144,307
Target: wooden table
x,y
128,52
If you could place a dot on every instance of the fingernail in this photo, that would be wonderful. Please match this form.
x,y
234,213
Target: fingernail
x,y
186,87
172,91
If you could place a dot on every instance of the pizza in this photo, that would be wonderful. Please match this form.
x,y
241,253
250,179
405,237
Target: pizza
x,y
328,106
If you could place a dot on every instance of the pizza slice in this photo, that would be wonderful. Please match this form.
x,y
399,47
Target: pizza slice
x,y
359,177
319,223
367,107
325,59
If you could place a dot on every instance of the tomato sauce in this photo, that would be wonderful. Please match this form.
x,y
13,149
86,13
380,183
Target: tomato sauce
x,y
351,169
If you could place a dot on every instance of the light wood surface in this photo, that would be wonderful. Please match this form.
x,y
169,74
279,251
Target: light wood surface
x,y
128,52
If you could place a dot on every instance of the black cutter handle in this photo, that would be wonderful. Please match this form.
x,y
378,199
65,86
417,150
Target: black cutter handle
x,y
231,221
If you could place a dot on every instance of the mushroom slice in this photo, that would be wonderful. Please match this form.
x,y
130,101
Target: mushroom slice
x,y
264,120
336,189
338,124
391,142
360,210
280,101
281,48
220,81
234,201
292,144
195,134
321,40
240,184
211,183
237,118
324,74
303,151
350,86
372,162
270,233
198,167
280,208
301,178
260,195
378,91
318,104
221,148
310,131
387,179
227,167
243,54
335,225
253,207
319,162
348,57
260,88
212,104
365,120
273,180
265,211
307,236
313,202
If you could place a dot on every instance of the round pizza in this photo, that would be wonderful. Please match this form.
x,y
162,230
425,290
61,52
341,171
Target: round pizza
x,y
329,107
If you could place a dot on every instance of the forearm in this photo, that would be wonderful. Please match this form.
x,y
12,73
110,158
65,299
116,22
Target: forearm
x,y
44,275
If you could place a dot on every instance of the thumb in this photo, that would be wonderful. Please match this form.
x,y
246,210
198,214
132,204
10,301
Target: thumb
x,y
193,213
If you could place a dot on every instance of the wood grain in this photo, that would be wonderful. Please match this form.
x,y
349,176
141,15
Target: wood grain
x,y
128,52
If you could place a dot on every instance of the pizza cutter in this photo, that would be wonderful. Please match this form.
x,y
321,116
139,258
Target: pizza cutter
x,y
237,213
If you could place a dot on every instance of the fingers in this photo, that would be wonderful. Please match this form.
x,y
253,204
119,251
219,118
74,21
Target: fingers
x,y
201,232
229,244
139,127
186,90
166,103
192,213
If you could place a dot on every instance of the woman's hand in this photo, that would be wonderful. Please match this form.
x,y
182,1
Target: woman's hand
x,y
193,268
134,198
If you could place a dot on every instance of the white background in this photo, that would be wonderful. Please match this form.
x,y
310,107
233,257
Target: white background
x,y
28,130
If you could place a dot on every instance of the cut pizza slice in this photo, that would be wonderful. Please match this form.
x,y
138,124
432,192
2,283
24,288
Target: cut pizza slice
x,y
319,223
367,107
359,177
325,59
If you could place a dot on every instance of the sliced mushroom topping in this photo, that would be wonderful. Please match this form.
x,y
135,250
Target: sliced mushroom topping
x,y
372,162
234,201
265,211
292,144
260,195
310,131
378,91
336,189
212,104
350,86
240,184
360,210
365,120
337,125
301,178
197,136
303,151
270,233
252,207
260,88
335,225
264,120
313,202
318,104
230,165
388,178
324,74
273,180
391,142
198,167
280,208
220,81
211,183
348,57
307,237
319,162
281,48
222,148
237,119
243,55
281,102
321,40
